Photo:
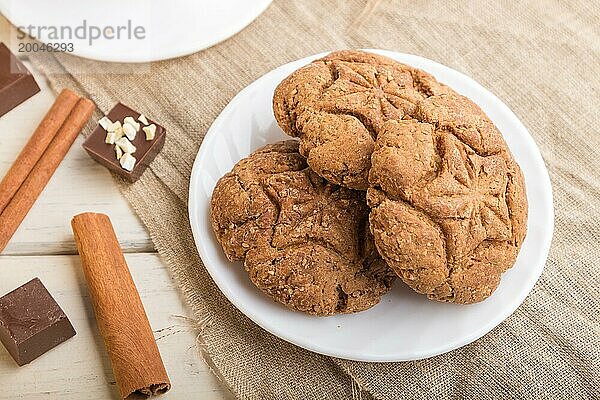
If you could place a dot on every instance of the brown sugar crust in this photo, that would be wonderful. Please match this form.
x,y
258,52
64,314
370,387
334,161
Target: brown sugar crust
x,y
449,209
304,242
338,105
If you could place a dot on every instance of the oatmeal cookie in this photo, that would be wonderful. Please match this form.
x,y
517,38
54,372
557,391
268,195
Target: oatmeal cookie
x,y
449,209
304,241
338,105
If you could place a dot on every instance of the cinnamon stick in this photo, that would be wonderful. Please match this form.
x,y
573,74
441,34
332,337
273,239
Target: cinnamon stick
x,y
122,321
20,204
37,144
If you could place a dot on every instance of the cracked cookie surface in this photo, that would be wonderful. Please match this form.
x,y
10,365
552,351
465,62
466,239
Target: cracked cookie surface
x,y
338,105
449,209
304,241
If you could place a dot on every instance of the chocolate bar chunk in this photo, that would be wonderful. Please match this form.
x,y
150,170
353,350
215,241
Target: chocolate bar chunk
x,y
31,322
145,150
16,82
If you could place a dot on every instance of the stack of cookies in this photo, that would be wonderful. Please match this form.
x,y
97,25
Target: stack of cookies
x,y
394,175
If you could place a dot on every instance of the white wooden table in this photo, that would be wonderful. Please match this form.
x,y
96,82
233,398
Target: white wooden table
x,y
43,247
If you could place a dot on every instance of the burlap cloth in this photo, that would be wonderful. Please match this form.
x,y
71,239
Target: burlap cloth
x,y
540,57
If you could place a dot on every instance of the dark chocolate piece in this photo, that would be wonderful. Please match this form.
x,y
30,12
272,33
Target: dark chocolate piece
x,y
146,150
16,82
31,322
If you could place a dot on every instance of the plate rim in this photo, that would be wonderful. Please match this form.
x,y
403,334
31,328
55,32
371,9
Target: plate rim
x,y
294,339
166,55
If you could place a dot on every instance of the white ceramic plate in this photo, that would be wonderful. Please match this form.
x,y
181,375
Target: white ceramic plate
x,y
173,28
404,325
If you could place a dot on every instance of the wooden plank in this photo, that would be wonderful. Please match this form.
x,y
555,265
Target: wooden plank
x,y
80,368
79,185
5,30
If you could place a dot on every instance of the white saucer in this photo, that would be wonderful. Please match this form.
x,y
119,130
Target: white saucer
x,y
405,325
172,28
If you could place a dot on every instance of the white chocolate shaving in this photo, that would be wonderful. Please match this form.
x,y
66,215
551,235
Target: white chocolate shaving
x,y
119,152
119,133
129,131
126,145
142,118
150,131
114,126
131,121
128,162
105,123
111,138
